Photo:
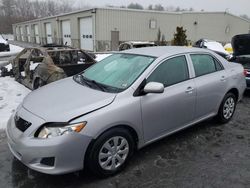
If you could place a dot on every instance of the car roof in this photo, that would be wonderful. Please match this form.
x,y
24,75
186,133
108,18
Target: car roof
x,y
159,51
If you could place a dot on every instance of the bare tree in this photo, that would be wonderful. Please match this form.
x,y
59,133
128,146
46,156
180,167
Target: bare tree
x,y
159,7
135,6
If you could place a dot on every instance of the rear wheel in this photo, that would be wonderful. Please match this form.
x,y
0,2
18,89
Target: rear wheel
x,y
110,152
227,108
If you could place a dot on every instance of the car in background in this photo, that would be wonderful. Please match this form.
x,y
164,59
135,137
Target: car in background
x,y
228,47
214,46
4,45
98,118
241,49
35,67
135,44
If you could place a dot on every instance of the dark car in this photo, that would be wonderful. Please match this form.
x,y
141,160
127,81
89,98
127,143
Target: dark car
x,y
241,49
4,45
35,67
135,44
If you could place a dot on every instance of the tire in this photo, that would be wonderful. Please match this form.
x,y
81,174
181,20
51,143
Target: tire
x,y
38,83
102,157
227,108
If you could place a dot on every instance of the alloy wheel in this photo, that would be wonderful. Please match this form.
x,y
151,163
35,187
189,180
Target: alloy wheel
x,y
113,153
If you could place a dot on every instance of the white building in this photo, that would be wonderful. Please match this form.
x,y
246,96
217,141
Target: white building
x,y
102,29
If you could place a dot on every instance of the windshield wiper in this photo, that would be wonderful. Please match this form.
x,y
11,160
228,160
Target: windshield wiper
x,y
102,87
82,80
90,83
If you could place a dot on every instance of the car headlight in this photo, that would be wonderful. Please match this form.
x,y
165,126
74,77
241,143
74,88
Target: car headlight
x,y
57,130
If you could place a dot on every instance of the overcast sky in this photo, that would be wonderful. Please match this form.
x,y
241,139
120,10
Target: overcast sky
x,y
233,6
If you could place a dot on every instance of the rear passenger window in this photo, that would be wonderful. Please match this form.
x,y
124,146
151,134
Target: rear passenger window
x,y
205,64
170,72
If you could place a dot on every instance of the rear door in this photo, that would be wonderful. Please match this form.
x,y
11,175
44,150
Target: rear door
x,y
173,109
210,81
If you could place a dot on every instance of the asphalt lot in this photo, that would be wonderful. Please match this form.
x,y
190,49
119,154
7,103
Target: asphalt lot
x,y
205,155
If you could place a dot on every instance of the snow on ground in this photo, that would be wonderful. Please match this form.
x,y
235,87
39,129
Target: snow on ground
x,y
13,51
11,95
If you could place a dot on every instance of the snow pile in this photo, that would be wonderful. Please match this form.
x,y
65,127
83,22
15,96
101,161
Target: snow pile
x,y
100,57
11,95
13,51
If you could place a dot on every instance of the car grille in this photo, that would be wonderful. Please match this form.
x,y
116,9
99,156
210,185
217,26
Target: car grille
x,y
21,124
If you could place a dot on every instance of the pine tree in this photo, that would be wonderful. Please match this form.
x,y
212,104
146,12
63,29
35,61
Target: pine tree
x,y
180,37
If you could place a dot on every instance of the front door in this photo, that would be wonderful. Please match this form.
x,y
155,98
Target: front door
x,y
175,107
114,40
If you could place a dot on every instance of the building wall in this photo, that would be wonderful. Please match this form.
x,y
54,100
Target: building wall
x,y
56,28
135,25
215,26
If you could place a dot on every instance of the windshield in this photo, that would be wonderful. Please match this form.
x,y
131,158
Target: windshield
x,y
118,70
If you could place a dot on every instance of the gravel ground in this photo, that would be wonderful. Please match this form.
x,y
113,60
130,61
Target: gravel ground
x,y
205,155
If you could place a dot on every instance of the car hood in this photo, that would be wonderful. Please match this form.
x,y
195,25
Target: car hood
x,y
64,100
241,44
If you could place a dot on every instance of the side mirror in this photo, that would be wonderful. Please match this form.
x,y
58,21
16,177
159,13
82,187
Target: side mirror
x,y
154,87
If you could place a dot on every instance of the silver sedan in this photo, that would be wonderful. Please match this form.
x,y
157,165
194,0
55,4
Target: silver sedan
x,y
98,118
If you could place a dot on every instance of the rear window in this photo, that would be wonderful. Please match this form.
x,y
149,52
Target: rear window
x,y
205,64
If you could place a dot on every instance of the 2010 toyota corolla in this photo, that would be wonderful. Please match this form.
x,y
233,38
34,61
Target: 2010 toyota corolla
x,y
98,118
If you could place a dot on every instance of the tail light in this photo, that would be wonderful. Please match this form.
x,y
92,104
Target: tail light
x,y
245,72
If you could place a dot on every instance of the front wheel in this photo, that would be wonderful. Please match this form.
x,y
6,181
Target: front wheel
x,y
110,152
227,108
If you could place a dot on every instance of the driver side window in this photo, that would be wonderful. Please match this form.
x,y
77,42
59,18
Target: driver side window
x,y
170,72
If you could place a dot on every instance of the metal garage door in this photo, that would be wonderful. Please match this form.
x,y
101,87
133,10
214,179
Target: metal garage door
x,y
21,31
66,34
28,32
48,33
37,39
86,33
17,34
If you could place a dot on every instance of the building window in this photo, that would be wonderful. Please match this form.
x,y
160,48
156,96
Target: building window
x,y
152,24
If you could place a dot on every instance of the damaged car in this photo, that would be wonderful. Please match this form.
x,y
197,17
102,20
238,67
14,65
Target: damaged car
x,y
35,67
241,53
214,46
135,44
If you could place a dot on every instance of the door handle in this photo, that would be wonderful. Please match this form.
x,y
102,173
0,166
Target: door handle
x,y
223,78
189,90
